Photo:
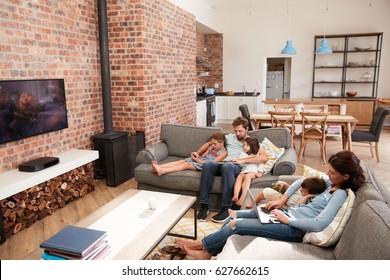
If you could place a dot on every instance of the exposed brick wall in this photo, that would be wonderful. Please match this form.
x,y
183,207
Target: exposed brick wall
x,y
53,39
152,56
152,53
213,43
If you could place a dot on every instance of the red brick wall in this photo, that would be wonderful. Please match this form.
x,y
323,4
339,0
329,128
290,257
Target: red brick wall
x,y
152,56
53,39
152,53
214,43
209,47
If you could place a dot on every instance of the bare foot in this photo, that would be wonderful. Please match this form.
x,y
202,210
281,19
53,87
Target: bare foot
x,y
154,163
159,169
200,254
235,198
232,213
191,244
248,205
239,202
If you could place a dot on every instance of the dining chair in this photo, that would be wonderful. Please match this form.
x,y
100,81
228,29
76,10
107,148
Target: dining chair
x,y
313,128
286,120
374,133
284,108
314,108
245,113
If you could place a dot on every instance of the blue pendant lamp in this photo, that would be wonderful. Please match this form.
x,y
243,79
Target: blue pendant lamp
x,y
289,49
324,47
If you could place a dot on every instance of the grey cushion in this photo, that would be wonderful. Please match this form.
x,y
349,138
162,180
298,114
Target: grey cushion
x,y
257,248
280,137
373,188
157,152
367,234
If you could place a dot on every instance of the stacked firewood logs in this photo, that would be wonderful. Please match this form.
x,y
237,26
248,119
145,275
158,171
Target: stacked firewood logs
x,y
25,208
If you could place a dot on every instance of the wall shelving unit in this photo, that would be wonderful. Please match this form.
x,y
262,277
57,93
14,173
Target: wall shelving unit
x,y
353,66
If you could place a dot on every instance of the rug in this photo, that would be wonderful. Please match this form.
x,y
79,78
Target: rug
x,y
166,249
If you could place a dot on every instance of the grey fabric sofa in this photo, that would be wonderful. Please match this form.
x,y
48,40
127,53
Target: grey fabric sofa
x,y
365,237
178,141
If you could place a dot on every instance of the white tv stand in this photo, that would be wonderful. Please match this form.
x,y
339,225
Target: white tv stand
x,y
15,181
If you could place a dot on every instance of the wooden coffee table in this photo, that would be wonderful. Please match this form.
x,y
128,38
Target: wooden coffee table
x,y
134,230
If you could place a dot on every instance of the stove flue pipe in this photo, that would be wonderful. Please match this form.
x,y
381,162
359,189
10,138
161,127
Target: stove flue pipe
x,y
105,66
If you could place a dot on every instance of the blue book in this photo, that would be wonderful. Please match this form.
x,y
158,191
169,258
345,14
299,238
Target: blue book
x,y
47,256
77,241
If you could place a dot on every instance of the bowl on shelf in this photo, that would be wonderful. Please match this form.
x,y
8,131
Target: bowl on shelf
x,y
332,93
351,93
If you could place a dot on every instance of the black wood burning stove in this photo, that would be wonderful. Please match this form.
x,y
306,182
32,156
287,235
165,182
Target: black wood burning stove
x,y
113,162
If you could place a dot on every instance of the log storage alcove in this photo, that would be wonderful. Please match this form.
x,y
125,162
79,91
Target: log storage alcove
x,y
26,197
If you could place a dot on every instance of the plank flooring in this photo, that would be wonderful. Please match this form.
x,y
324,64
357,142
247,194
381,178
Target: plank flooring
x,y
23,243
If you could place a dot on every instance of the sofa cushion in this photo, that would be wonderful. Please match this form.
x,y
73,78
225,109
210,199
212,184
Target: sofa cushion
x,y
184,139
373,188
309,172
367,234
248,247
332,233
280,137
273,154
157,152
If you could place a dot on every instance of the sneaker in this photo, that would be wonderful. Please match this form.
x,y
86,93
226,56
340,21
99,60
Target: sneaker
x,y
221,216
202,214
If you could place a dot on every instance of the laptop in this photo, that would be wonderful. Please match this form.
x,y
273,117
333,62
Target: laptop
x,y
262,212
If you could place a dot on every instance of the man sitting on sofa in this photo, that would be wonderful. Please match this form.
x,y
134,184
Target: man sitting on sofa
x,y
228,171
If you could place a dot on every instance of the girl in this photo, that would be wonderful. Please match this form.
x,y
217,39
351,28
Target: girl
x,y
216,152
344,172
249,171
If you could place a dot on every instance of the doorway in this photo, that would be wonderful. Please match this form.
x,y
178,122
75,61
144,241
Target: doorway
x,y
277,77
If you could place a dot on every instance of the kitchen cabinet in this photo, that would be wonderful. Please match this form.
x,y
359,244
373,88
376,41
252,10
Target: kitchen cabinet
x,y
362,109
201,113
353,66
222,104
227,106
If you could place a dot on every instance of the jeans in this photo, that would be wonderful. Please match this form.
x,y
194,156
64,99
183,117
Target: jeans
x,y
247,223
228,172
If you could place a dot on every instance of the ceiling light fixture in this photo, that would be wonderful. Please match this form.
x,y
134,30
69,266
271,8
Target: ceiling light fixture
x,y
289,49
324,47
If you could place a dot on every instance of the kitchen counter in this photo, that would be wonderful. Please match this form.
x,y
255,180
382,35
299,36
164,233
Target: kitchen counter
x,y
203,97
317,101
238,94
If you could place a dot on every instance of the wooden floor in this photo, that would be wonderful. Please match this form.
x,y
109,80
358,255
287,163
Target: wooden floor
x,y
23,243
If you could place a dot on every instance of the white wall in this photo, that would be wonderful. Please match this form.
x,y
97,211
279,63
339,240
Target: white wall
x,y
253,33
202,11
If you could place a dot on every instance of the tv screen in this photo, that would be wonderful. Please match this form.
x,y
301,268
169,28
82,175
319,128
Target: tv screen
x,y
31,107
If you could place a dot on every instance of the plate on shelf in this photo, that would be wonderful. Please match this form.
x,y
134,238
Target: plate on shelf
x,y
362,48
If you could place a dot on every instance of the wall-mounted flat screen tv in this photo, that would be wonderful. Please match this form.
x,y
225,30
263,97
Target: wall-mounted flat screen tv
x,y
31,107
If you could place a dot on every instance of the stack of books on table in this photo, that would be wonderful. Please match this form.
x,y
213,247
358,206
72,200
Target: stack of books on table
x,y
76,243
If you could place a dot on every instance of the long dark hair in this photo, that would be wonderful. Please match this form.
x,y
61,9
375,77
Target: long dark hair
x,y
346,162
253,144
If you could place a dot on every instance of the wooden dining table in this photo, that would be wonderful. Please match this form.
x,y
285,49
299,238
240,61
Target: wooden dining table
x,y
346,122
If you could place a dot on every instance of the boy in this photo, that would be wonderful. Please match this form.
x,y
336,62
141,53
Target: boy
x,y
310,187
